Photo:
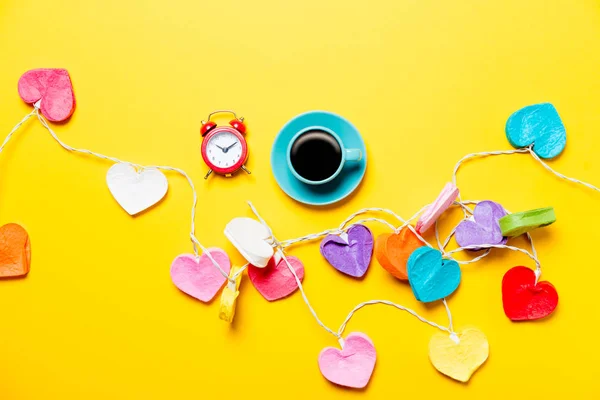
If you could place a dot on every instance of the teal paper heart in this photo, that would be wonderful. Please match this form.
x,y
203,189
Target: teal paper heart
x,y
539,124
432,278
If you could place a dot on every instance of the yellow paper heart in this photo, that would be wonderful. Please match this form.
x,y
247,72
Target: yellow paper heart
x,y
459,360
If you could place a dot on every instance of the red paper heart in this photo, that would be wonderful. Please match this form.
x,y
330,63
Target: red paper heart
x,y
275,282
53,87
525,300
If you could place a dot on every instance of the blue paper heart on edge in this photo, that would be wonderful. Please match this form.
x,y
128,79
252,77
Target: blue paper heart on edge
x,y
431,277
539,124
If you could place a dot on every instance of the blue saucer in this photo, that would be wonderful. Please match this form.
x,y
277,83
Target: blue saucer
x,y
333,191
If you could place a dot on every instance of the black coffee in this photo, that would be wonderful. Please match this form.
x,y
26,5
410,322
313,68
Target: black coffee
x,y
316,155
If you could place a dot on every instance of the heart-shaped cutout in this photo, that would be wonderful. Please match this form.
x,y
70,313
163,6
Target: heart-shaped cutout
x,y
523,299
431,277
460,356
53,87
15,251
250,238
444,200
197,276
353,365
136,191
276,281
483,227
392,250
539,124
519,223
349,252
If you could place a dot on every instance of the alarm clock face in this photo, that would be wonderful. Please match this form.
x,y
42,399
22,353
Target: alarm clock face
x,y
224,150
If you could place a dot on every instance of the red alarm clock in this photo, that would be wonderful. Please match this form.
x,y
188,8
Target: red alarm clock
x,y
224,148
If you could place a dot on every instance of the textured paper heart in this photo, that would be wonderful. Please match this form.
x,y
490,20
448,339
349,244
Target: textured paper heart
x,y
539,124
483,227
198,277
431,277
353,365
349,253
53,87
393,250
519,223
15,251
525,300
444,200
250,238
136,191
459,360
276,281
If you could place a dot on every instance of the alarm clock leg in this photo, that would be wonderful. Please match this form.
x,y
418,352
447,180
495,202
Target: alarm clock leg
x,y
246,169
210,171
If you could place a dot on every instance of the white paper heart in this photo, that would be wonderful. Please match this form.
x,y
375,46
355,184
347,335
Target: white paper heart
x,y
250,238
134,190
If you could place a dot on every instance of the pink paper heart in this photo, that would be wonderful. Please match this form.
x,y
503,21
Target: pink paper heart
x,y
353,365
198,277
276,281
444,200
53,87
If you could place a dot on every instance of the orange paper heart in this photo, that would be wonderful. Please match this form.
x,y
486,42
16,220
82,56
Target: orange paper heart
x,y
15,251
392,251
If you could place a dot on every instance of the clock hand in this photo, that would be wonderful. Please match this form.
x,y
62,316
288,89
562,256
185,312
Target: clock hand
x,y
220,147
230,146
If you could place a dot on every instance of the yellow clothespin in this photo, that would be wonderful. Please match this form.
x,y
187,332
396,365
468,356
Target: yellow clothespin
x,y
229,296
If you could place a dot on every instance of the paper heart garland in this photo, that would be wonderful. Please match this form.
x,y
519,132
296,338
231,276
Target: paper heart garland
x,y
444,200
459,360
250,238
136,191
539,124
431,277
353,365
198,277
15,251
351,252
276,281
393,250
525,300
483,228
53,87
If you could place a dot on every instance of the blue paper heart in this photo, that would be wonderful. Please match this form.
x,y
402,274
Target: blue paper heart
x,y
539,124
431,278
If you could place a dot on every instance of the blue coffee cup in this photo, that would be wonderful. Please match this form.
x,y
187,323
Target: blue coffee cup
x,y
347,155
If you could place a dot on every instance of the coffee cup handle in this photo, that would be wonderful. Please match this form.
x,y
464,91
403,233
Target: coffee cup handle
x,y
353,155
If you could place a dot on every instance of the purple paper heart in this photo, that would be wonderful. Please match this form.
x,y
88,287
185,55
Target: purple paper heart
x,y
351,256
483,228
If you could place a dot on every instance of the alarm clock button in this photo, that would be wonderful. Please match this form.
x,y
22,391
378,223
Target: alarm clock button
x,y
207,127
238,125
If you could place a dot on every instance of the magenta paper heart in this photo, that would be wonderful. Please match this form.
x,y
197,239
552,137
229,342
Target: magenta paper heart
x,y
53,87
198,277
483,228
353,365
276,281
349,253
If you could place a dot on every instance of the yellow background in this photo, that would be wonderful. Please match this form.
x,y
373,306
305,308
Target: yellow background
x,y
426,82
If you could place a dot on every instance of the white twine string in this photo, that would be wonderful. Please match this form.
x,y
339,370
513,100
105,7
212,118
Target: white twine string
x,y
588,185
480,155
195,242
523,150
16,128
343,226
280,250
